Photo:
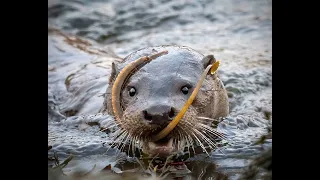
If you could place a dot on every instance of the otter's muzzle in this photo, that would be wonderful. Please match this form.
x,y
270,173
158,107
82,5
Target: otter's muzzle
x,y
159,114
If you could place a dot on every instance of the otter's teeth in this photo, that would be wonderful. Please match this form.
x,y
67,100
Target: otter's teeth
x,y
170,142
152,145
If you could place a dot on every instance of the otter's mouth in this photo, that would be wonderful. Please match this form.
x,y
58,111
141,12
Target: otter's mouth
x,y
163,147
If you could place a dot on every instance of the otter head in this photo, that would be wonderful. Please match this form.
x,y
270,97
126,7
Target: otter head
x,y
154,95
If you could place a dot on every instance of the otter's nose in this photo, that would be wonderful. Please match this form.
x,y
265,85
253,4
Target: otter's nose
x,y
159,115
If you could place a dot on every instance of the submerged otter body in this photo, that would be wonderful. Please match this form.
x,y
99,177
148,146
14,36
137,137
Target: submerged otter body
x,y
154,95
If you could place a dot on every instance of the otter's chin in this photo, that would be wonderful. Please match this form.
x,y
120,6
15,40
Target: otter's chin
x,y
160,148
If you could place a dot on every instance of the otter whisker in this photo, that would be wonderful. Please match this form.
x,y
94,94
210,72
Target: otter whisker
x,y
138,142
175,141
109,127
119,142
186,138
121,131
202,146
188,146
191,144
133,145
118,137
123,144
180,144
129,145
211,134
130,149
190,139
213,131
184,144
213,137
116,134
177,138
206,118
211,144
188,124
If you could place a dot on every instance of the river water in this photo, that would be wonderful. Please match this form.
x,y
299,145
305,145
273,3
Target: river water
x,y
84,37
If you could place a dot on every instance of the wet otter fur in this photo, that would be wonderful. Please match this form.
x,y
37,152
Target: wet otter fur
x,y
153,96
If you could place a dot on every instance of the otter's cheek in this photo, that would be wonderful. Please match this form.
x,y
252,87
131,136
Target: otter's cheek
x,y
132,122
190,117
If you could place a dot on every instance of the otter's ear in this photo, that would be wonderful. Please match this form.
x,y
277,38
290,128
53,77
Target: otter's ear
x,y
114,72
207,60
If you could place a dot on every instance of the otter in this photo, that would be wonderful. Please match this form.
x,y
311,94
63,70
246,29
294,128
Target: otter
x,y
155,94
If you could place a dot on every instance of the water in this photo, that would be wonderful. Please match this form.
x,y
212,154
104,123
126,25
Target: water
x,y
237,32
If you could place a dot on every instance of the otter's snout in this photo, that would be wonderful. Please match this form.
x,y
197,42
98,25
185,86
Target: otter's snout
x,y
159,115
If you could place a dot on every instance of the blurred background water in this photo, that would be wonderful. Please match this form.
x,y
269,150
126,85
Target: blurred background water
x,y
84,37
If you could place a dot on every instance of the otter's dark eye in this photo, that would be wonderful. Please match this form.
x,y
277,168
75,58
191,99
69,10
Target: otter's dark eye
x,y
185,90
132,91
